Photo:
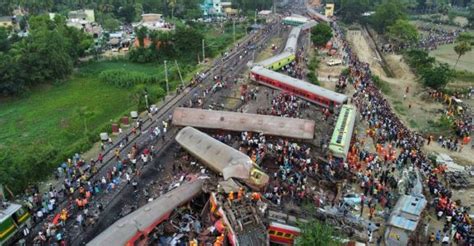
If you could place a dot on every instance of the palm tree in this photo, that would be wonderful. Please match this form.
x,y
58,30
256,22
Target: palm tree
x,y
461,48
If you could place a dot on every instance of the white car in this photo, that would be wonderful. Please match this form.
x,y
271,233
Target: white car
x,y
334,62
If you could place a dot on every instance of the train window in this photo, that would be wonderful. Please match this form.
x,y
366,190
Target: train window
x,y
271,232
288,235
279,234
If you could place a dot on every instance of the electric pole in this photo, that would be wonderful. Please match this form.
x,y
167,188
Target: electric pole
x,y
203,52
179,72
255,22
166,78
233,28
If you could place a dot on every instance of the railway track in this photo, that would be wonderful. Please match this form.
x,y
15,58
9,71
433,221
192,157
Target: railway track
x,y
162,114
170,105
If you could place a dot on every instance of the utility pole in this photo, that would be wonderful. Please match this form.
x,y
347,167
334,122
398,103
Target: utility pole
x,y
166,78
203,52
255,22
233,28
179,72
274,7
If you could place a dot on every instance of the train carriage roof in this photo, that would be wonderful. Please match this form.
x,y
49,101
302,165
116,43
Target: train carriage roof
x,y
218,156
233,121
10,209
292,41
143,218
308,25
331,95
273,59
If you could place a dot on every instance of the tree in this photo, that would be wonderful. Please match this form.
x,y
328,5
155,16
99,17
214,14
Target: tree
x,y
4,42
110,23
437,77
470,16
387,13
352,10
316,233
402,32
142,33
420,60
461,49
172,4
321,34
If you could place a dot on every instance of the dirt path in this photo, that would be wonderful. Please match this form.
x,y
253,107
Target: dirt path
x,y
413,110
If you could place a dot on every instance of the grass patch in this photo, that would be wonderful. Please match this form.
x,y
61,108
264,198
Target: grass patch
x,y
413,123
384,86
445,53
43,129
442,126
399,108
465,76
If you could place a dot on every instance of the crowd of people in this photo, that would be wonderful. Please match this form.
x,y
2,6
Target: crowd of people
x,y
431,37
82,188
386,129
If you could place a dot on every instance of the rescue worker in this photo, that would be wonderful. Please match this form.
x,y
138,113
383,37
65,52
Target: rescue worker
x,y
256,197
231,196
240,194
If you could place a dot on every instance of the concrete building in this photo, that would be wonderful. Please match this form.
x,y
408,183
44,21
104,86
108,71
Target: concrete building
x,y
329,10
154,21
6,21
86,15
211,7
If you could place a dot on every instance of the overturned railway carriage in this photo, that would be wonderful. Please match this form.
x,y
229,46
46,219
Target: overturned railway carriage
x,y
342,135
313,93
288,54
135,228
315,15
233,121
292,41
222,158
13,218
278,61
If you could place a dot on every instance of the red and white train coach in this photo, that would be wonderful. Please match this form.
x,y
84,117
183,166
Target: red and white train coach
x,y
300,88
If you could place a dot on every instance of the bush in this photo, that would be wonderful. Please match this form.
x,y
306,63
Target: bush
x,y
313,78
126,79
382,85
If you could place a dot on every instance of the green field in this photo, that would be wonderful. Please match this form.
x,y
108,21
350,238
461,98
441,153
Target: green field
x,y
40,131
445,53
44,128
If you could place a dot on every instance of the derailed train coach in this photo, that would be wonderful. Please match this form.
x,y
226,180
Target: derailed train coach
x,y
135,228
235,121
221,158
313,93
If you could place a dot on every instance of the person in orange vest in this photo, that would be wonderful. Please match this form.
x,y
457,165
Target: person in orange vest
x,y
231,196
193,242
240,194
219,240
256,196
63,216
